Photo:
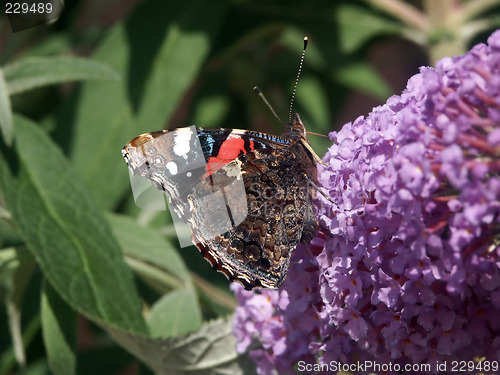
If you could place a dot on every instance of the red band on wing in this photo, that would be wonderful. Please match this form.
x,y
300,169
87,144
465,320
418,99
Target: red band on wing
x,y
229,150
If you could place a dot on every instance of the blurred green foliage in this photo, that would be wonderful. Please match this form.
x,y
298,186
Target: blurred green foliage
x,y
79,262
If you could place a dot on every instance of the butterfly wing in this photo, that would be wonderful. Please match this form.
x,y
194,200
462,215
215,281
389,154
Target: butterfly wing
x,y
246,195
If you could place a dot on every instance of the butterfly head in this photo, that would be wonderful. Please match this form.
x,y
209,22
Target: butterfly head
x,y
295,129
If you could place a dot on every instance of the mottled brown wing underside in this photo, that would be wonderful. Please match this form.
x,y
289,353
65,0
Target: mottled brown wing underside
x,y
263,207
278,201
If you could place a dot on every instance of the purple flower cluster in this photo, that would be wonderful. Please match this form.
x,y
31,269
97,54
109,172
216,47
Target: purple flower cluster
x,y
410,271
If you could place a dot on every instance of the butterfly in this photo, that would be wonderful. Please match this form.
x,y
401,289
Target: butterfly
x,y
246,195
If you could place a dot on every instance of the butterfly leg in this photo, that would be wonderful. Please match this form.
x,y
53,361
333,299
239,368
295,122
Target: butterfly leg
x,y
310,226
318,189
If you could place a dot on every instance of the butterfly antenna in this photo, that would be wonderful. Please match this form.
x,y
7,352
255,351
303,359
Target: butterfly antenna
x,y
264,99
297,79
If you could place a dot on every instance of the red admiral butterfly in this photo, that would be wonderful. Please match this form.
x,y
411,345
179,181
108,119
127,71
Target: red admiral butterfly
x,y
208,173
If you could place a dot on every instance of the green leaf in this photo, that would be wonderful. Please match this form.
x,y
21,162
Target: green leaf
x,y
357,25
363,77
158,75
67,234
33,72
6,127
175,314
146,245
59,332
210,350
98,125
178,58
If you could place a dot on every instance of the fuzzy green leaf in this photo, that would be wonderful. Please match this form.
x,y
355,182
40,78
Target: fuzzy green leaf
x,y
146,245
209,351
59,332
67,234
33,72
175,314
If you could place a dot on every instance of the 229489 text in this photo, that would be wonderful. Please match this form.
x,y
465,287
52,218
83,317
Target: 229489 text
x,y
23,8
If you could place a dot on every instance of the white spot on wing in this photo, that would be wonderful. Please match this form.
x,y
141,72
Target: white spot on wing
x,y
181,142
233,169
172,167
